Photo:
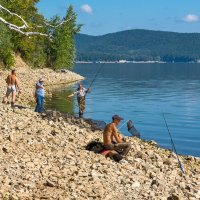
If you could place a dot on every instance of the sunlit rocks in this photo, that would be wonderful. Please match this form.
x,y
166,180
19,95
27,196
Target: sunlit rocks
x,y
44,157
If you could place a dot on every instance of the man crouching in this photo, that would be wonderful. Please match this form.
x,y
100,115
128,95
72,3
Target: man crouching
x,y
112,140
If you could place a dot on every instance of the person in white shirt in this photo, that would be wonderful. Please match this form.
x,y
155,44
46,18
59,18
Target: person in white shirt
x,y
81,93
39,95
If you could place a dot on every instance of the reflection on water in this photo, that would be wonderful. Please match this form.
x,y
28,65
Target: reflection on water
x,y
59,102
142,92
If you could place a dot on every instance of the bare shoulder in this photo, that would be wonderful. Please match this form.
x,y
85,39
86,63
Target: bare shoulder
x,y
13,77
108,127
111,126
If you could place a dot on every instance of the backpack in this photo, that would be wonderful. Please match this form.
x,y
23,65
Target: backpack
x,y
95,146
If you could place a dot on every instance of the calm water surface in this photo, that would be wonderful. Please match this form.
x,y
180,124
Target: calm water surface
x,y
142,92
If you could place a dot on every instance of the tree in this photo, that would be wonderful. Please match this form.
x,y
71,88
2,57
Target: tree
x,y
22,27
6,46
40,42
62,51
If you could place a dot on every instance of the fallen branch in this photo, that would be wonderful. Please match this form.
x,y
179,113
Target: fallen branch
x,y
56,26
26,26
14,14
19,29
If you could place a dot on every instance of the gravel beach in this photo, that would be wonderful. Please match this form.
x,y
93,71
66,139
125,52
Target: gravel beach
x,y
44,156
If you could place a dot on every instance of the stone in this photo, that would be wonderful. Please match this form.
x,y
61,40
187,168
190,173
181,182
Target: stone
x,y
5,149
50,183
135,184
11,138
188,187
152,175
153,143
182,185
14,197
155,182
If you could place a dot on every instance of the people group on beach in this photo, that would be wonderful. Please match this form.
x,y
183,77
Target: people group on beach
x,y
112,141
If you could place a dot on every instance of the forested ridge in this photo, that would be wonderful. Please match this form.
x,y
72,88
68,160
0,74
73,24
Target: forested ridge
x,y
40,42
139,45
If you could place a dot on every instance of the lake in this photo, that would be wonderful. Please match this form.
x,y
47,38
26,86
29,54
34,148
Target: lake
x,y
142,93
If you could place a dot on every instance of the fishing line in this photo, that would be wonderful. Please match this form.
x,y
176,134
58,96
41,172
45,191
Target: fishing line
x,y
98,71
96,74
173,145
123,125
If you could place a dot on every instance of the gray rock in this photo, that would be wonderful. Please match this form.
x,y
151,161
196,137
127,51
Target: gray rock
x,y
50,183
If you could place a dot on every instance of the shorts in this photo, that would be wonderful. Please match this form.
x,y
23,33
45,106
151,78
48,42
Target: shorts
x,y
11,89
124,147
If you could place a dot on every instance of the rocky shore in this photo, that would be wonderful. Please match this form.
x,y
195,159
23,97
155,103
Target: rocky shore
x,y
44,157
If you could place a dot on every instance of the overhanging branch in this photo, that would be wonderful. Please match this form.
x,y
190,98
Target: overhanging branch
x,y
14,14
21,29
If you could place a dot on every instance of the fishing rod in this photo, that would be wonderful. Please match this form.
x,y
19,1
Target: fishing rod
x,y
96,74
173,145
98,71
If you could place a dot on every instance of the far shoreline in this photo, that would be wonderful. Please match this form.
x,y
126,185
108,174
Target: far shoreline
x,y
133,62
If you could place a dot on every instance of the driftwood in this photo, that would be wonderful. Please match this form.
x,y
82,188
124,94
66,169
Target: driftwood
x,y
23,29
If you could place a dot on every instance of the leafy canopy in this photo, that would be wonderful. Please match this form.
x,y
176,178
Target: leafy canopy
x,y
38,51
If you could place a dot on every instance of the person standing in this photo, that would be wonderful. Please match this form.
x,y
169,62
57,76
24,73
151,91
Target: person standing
x,y
12,87
81,94
39,95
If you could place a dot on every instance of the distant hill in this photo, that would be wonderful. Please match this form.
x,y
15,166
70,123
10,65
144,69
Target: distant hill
x,y
139,45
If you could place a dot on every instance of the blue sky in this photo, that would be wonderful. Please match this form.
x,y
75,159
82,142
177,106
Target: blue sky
x,y
106,16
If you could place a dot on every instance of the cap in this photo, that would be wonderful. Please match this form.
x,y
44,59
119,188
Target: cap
x,y
41,80
117,117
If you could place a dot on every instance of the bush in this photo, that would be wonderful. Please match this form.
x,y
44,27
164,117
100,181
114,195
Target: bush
x,y
6,46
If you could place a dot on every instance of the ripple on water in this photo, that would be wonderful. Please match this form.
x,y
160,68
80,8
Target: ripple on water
x,y
142,92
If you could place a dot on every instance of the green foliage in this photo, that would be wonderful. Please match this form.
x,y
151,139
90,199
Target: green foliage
x,y
32,49
139,45
39,51
6,52
62,49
